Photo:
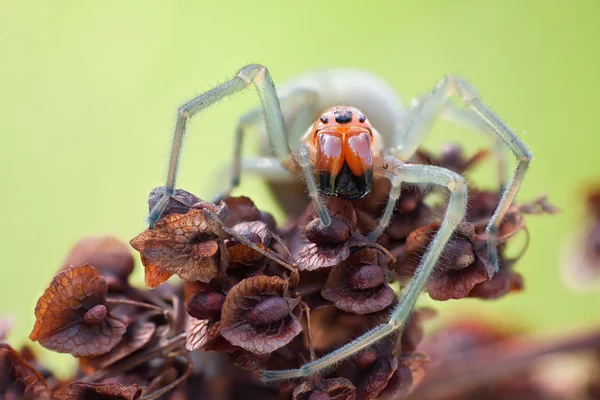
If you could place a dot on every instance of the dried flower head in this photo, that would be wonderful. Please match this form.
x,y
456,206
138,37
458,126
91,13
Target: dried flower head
x,y
460,267
322,247
259,316
72,315
181,244
359,284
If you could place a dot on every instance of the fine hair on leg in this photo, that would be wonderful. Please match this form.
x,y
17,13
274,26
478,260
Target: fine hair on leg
x,y
271,110
410,136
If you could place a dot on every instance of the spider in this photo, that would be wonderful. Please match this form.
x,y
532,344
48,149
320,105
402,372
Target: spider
x,y
341,152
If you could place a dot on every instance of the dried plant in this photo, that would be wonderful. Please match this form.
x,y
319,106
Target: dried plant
x,y
257,296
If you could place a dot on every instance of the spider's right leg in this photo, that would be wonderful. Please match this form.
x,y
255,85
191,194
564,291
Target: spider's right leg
x,y
457,115
251,74
455,212
298,109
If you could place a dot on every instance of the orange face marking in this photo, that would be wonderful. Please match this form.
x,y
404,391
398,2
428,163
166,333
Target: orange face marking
x,y
343,134
343,138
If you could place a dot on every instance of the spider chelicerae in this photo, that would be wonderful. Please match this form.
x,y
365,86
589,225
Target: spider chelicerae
x,y
352,130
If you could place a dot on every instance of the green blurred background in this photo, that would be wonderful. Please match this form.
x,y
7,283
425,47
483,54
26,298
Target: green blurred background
x,y
89,92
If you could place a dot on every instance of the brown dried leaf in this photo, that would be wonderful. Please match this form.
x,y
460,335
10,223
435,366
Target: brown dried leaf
x,y
19,378
358,301
60,313
179,244
98,391
242,299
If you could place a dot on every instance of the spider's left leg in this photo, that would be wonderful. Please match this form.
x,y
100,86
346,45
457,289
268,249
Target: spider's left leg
x,y
455,212
250,74
298,107
431,106
468,118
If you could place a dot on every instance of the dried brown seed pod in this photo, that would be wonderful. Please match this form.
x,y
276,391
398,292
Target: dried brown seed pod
x,y
241,209
18,378
111,257
199,332
95,315
258,331
453,277
61,324
205,305
327,250
377,377
268,311
334,234
138,334
335,389
240,255
86,391
180,244
247,361
368,276
376,295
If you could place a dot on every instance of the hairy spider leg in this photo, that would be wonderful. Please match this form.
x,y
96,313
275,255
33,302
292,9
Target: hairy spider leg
x,y
411,135
467,117
455,212
311,184
271,110
298,109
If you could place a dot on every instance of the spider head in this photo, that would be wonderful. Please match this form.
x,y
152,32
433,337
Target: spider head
x,y
342,138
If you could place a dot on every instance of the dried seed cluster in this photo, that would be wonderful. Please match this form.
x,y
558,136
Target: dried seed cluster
x,y
256,296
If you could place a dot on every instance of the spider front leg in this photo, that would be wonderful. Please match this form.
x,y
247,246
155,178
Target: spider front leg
x,y
455,212
410,136
251,74
298,108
